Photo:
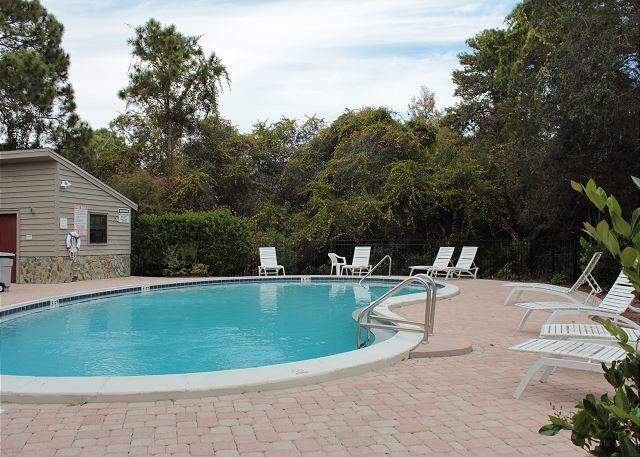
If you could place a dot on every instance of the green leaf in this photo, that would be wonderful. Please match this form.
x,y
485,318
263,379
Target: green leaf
x,y
636,181
627,448
621,401
549,430
635,217
576,186
591,230
613,244
614,206
602,230
629,256
621,226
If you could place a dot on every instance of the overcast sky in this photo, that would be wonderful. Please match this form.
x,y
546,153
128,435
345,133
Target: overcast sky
x,y
291,58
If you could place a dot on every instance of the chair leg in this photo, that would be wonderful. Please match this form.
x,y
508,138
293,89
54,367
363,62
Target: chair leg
x,y
513,291
551,318
548,372
527,378
524,319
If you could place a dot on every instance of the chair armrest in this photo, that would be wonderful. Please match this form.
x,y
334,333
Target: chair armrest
x,y
344,259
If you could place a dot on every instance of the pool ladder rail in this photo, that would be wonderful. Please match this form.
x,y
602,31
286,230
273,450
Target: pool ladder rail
x,y
386,257
366,314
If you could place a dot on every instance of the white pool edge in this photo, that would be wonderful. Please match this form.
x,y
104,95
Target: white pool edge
x,y
35,389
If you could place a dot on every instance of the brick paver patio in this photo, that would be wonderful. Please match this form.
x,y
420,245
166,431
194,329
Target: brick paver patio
x,y
431,407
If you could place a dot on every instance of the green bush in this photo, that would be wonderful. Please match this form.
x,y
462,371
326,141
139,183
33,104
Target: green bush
x,y
215,242
559,278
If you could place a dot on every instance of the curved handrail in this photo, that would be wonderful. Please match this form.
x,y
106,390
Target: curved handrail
x,y
376,266
429,313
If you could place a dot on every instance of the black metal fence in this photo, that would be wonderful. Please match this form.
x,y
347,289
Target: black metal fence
x,y
540,259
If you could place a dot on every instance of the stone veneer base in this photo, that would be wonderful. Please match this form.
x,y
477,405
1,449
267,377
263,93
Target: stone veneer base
x,y
56,269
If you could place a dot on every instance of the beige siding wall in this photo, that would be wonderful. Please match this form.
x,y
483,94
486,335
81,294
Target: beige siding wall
x,y
84,192
30,188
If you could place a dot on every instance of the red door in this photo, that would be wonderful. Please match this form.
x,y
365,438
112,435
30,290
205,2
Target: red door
x,y
9,239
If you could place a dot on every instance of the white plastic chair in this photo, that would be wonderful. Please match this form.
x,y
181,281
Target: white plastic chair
x,y
441,264
578,355
518,288
616,302
337,262
465,266
269,262
360,261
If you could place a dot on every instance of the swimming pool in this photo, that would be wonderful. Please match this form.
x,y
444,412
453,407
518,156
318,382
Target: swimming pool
x,y
188,330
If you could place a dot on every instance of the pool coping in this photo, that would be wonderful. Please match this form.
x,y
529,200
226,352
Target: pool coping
x,y
80,389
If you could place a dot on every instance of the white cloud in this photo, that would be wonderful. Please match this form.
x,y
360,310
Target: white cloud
x,y
285,58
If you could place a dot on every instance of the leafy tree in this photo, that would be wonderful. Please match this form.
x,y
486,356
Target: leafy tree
x,y
553,101
172,86
37,106
218,150
112,155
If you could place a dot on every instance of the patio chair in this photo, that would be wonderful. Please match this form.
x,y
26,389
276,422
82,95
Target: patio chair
x,y
269,262
360,261
440,264
587,332
617,301
579,355
465,266
518,288
337,262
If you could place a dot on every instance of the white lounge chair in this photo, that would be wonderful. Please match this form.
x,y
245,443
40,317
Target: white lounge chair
x,y
579,355
465,266
586,332
441,264
269,262
518,288
617,301
360,261
337,262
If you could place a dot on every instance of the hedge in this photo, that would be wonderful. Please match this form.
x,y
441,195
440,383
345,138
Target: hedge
x,y
218,239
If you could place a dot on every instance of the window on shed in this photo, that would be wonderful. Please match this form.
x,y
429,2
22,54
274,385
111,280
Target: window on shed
x,y
97,228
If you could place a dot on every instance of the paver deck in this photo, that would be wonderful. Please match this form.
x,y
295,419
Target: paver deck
x,y
431,407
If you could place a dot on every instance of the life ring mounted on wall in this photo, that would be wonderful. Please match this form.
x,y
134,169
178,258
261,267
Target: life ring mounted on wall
x,y
73,244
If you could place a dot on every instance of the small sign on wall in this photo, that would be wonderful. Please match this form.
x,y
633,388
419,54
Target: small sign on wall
x,y
124,215
64,223
80,219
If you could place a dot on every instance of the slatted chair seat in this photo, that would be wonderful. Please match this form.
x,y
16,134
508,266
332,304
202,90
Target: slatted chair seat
x,y
590,352
584,331
579,355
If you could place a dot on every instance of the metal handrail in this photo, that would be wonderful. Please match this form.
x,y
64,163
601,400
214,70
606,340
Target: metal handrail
x,y
376,266
426,327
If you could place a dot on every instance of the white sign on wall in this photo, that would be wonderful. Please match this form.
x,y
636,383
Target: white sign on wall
x,y
80,219
64,223
124,215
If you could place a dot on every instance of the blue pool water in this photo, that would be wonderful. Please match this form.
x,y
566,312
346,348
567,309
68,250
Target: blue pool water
x,y
187,330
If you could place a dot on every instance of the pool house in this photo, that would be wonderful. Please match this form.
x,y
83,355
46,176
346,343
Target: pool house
x,y
62,223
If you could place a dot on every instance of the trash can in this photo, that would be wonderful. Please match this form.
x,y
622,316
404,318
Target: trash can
x,y
6,262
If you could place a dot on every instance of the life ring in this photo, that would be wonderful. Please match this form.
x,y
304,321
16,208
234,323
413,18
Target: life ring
x,y
73,243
